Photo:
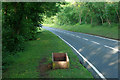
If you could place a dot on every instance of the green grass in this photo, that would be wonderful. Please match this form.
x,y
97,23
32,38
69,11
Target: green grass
x,y
105,30
39,52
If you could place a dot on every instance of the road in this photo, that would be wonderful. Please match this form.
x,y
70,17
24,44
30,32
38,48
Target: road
x,y
99,55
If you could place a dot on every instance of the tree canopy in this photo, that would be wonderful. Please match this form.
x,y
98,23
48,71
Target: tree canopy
x,y
89,13
19,21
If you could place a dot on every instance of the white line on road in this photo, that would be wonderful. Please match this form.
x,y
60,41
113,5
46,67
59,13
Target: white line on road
x,y
72,35
95,42
111,48
78,36
100,37
85,39
100,74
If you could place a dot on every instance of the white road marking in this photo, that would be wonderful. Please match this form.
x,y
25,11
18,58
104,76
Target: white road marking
x,y
95,42
72,35
85,39
111,48
100,37
100,74
78,36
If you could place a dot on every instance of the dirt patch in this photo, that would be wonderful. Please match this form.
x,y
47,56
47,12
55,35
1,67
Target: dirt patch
x,y
77,67
43,60
43,68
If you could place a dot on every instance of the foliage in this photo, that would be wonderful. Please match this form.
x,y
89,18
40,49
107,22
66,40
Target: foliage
x,y
19,20
89,13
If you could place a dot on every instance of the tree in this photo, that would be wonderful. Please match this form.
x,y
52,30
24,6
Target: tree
x,y
19,21
89,13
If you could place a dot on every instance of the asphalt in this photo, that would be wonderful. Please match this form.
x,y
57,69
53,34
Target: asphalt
x,y
101,52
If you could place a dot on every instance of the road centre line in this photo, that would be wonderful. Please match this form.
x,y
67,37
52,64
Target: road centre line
x,y
111,48
67,33
85,39
100,74
78,36
72,35
100,37
95,42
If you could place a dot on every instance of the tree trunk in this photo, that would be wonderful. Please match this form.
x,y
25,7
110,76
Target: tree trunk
x,y
119,11
5,10
86,19
117,14
17,11
101,19
80,18
26,17
108,21
91,20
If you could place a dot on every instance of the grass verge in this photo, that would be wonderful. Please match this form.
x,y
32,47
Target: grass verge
x,y
34,61
104,31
